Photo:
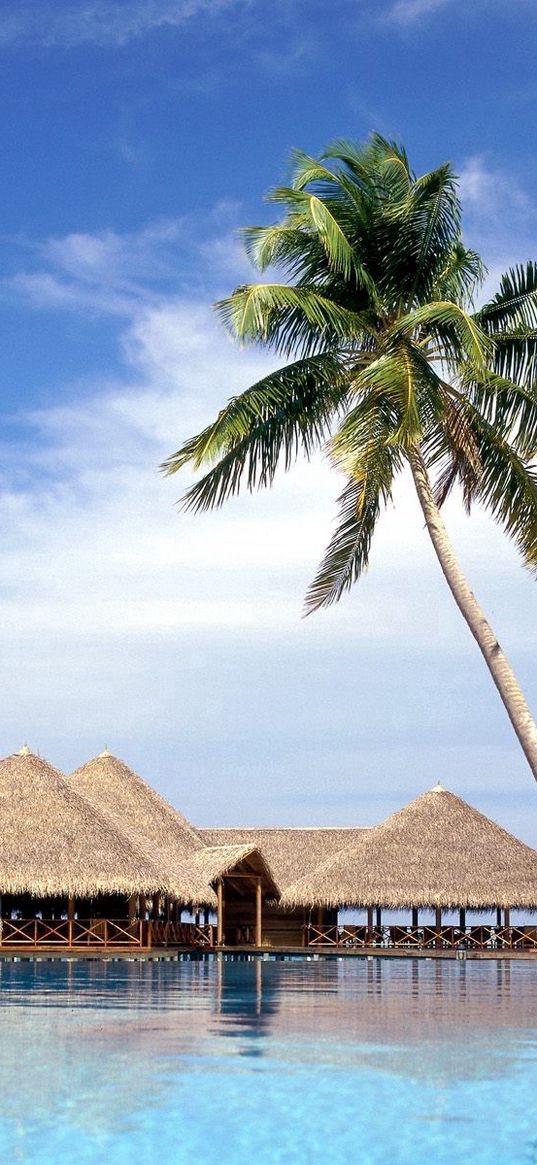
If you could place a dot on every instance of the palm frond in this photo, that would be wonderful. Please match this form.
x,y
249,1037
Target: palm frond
x,y
451,449
507,487
509,406
515,354
286,413
318,214
290,319
460,276
306,170
457,332
360,504
515,303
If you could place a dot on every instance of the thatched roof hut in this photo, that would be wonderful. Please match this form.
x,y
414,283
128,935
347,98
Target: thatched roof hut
x,y
291,853
213,862
133,807
436,852
55,844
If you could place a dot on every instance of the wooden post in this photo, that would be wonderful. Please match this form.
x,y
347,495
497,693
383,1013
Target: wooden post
x,y
369,924
258,913
220,913
132,905
142,906
507,918
438,926
206,914
462,918
70,920
155,907
414,917
378,917
498,917
177,912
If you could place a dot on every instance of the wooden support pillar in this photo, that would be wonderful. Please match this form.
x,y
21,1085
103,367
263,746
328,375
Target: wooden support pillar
x,y
132,907
378,917
414,917
438,926
220,912
507,918
155,906
177,912
369,923
498,917
462,919
142,906
206,914
70,920
197,916
258,913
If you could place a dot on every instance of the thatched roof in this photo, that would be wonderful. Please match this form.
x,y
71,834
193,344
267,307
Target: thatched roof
x,y
437,851
214,862
133,807
291,853
54,843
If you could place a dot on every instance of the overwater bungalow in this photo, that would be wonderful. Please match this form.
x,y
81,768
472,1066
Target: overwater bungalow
x,y
66,876
437,854
100,861
209,880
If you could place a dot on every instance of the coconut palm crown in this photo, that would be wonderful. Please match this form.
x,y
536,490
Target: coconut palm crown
x,y
391,364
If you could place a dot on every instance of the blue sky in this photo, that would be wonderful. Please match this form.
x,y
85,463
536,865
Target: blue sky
x,y
136,137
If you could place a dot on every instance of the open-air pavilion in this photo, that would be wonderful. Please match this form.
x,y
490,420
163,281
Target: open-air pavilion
x,y
67,878
101,862
437,854
229,884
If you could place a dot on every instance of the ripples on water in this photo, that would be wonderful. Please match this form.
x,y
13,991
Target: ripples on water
x,y
368,1061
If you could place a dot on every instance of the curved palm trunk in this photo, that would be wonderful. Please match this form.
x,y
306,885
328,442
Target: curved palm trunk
x,y
497,663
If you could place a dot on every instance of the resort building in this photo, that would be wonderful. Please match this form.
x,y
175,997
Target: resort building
x,y
99,862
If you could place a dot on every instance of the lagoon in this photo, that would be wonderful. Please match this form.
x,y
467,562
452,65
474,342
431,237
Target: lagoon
x,y
297,1061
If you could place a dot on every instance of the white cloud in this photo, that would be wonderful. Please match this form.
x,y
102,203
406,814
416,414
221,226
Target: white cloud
x,y
102,22
500,217
119,274
96,523
492,193
407,11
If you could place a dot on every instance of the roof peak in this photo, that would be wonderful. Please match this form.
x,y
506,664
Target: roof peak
x,y
438,788
105,752
24,751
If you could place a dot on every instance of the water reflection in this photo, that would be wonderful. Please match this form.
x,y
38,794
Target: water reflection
x,y
85,1044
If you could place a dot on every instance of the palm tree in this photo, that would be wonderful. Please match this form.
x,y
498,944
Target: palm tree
x,y
391,365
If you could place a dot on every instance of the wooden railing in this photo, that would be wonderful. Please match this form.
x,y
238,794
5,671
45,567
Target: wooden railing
x,y
471,938
103,933
181,934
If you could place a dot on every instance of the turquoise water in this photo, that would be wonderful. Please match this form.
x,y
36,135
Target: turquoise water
x,y
302,1062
